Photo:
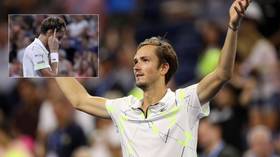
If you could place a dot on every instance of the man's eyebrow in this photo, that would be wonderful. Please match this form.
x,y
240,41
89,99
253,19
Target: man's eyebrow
x,y
144,57
141,57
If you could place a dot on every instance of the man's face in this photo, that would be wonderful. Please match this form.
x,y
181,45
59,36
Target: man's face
x,y
205,134
261,145
59,34
146,69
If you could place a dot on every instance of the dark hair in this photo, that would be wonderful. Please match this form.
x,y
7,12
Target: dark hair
x,y
52,23
165,54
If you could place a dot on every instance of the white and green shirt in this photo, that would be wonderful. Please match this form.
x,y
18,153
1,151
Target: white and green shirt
x,y
168,129
35,58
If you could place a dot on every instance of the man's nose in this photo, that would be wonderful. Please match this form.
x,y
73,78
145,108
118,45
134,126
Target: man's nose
x,y
136,66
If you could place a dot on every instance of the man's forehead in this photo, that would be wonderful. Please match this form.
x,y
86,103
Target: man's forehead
x,y
147,50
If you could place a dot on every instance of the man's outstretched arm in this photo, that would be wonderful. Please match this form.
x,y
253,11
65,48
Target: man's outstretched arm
x,y
80,99
213,82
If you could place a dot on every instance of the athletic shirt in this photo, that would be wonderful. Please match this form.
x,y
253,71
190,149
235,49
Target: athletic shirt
x,y
168,129
35,58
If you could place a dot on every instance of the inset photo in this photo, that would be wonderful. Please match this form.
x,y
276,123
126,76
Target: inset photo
x,y
53,45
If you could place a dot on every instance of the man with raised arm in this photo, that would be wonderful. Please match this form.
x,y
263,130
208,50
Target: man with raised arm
x,y
164,123
40,58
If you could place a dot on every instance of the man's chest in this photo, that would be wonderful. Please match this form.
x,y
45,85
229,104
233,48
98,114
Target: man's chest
x,y
162,128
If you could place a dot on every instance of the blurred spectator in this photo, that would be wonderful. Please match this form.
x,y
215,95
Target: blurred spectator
x,y
105,141
11,145
65,66
68,135
211,142
77,26
26,115
211,35
256,50
260,143
231,116
85,65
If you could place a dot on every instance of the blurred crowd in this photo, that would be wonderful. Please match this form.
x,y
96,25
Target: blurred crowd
x,y
78,49
37,120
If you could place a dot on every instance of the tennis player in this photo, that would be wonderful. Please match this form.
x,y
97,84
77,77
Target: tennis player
x,y
164,123
40,58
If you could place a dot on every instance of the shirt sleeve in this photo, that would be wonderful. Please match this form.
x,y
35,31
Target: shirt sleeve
x,y
189,101
39,58
114,108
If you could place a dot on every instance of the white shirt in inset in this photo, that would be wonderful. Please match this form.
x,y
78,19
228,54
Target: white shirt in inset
x,y
35,58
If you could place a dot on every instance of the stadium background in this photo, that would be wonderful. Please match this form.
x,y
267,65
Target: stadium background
x,y
36,120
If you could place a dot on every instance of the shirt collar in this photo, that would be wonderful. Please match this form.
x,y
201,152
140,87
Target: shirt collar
x,y
166,100
41,45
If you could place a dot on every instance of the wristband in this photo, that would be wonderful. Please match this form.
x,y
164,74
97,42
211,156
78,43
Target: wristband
x,y
233,28
54,57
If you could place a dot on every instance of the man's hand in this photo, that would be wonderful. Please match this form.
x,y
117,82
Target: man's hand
x,y
53,42
237,12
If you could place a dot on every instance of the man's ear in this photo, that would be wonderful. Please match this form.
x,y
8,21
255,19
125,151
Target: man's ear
x,y
164,68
